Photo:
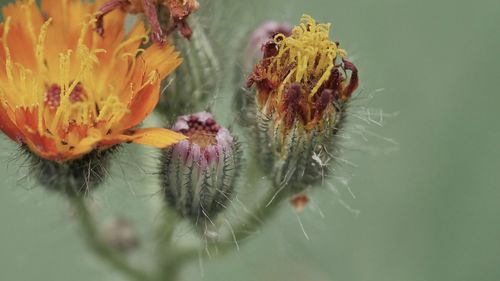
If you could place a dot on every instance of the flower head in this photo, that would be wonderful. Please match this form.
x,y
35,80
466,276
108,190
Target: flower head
x,y
303,83
198,174
65,91
303,75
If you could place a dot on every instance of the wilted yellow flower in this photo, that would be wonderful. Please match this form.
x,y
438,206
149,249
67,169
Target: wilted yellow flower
x,y
65,91
303,84
303,75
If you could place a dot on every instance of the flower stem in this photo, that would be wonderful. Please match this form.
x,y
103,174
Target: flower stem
x,y
169,265
264,211
268,206
100,248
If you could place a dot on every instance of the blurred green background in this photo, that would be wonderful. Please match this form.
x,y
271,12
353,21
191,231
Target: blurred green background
x,y
428,211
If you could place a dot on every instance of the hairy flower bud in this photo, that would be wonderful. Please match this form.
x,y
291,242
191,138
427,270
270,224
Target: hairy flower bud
x,y
303,84
195,79
198,175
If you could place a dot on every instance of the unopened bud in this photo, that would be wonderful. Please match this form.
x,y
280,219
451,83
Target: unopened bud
x,y
198,175
196,78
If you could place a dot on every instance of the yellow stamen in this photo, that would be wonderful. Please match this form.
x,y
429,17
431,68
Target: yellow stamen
x,y
29,19
8,59
132,62
40,45
129,41
309,52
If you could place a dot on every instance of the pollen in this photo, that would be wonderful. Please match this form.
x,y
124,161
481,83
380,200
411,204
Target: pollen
x,y
53,96
78,94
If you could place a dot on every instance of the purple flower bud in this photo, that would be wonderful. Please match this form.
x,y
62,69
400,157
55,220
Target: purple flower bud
x,y
198,174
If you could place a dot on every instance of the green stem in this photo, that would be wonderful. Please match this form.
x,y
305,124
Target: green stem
x,y
169,265
259,216
99,247
264,211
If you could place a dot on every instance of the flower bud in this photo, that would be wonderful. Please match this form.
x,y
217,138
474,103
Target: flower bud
x,y
198,175
196,78
303,84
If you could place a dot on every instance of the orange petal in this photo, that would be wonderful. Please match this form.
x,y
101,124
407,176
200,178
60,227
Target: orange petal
x,y
86,145
155,137
141,106
138,30
163,59
9,127
113,32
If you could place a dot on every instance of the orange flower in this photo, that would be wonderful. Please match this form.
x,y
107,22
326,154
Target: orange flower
x,y
65,91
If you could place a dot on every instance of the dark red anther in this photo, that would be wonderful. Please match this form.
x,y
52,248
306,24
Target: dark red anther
x,y
353,81
193,118
53,96
209,122
292,95
185,30
78,93
269,49
334,81
326,98
215,128
291,103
